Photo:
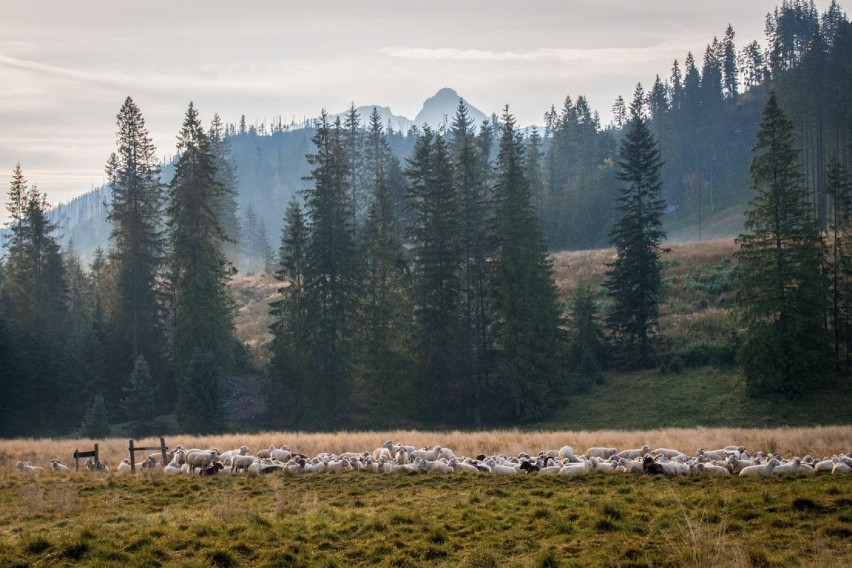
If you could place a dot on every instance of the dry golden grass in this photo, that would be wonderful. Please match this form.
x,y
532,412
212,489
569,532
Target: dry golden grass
x,y
817,441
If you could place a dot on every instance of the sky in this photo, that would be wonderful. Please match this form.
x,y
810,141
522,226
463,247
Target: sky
x,y
67,67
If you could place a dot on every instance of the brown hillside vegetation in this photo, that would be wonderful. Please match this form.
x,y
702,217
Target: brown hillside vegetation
x,y
696,276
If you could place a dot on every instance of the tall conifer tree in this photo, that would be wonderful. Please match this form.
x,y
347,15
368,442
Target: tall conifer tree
x,y
529,342
330,277
634,278
782,291
138,244
202,334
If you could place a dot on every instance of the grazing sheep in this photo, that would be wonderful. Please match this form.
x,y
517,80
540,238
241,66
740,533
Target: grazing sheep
x,y
58,467
384,451
579,468
764,470
29,468
282,454
841,468
710,469
792,467
201,459
629,466
633,454
603,453
124,466
172,468
668,453
92,465
712,455
241,463
567,453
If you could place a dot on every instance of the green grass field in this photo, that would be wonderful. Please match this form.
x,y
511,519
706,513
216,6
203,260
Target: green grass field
x,y
706,396
358,519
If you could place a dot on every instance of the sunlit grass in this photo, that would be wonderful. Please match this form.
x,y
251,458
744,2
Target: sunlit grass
x,y
421,520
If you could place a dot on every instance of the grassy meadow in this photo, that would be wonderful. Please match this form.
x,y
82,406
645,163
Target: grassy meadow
x,y
359,519
363,519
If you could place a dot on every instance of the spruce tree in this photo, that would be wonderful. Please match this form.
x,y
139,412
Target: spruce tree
x,y
330,277
137,245
839,189
290,343
96,422
476,247
634,278
226,176
34,297
139,403
202,407
384,322
202,329
781,289
530,347
434,237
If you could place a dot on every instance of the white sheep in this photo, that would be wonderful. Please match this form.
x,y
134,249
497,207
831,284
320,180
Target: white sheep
x,y
792,467
240,462
567,453
58,467
426,454
712,455
633,454
581,468
710,469
29,468
764,470
172,468
599,452
385,451
841,468
200,458
668,453
124,466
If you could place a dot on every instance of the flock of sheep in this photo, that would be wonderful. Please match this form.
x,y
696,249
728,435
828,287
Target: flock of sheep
x,y
391,457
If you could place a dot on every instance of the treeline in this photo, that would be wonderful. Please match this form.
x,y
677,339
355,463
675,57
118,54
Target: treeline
x,y
415,293
418,291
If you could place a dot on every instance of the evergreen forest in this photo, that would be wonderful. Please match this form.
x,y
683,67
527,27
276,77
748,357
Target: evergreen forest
x,y
413,270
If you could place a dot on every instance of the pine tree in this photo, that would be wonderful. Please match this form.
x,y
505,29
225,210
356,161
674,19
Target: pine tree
x,y
203,310
137,245
839,189
202,405
529,342
434,238
330,277
226,176
96,422
139,403
476,247
35,300
728,57
634,279
781,289
586,340
290,343
385,308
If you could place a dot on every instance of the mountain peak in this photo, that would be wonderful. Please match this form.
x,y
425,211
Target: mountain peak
x,y
440,109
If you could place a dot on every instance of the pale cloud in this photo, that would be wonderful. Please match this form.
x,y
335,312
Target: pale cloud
x,y
622,56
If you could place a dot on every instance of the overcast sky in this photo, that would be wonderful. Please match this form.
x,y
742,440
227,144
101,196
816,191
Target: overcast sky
x,y
68,65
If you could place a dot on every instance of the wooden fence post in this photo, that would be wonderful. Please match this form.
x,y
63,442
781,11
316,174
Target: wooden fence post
x,y
132,458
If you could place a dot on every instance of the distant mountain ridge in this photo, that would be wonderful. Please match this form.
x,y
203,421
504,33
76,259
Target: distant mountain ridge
x,y
437,111
269,169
